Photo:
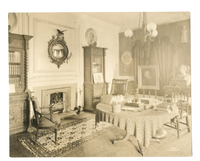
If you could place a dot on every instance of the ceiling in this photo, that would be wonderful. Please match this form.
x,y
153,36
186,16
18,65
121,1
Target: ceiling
x,y
130,20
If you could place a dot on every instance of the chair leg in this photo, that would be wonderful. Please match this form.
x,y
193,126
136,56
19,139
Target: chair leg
x,y
187,122
177,126
55,135
36,135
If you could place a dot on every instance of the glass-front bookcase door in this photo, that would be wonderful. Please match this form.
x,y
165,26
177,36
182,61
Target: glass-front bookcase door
x,y
97,66
16,75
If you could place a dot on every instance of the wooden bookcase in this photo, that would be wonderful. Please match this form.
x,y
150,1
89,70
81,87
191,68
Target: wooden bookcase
x,y
94,62
18,62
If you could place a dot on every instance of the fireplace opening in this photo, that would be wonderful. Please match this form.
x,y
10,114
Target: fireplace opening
x,y
56,99
60,98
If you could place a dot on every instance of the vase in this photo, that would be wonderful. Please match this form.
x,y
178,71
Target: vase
x,y
116,108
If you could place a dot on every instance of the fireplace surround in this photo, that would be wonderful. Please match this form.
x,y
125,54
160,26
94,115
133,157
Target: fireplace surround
x,y
66,92
60,97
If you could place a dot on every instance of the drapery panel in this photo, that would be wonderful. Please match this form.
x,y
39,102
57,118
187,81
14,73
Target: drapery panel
x,y
161,54
138,55
164,52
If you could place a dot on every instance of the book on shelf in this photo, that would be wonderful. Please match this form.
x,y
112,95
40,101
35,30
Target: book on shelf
x,y
14,57
14,69
15,81
11,88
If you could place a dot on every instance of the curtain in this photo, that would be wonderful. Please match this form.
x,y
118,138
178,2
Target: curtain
x,y
164,57
138,55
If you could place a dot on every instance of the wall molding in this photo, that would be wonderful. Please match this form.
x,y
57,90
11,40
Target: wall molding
x,y
85,18
33,72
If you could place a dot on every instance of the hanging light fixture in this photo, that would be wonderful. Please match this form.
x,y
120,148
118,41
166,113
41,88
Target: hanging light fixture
x,y
149,30
128,33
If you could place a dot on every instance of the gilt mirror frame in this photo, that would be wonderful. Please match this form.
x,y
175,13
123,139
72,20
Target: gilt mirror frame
x,y
57,49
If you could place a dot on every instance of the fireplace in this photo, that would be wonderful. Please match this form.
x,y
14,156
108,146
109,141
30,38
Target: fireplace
x,y
59,97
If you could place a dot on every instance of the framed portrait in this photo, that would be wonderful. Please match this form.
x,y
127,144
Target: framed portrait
x,y
126,63
90,36
148,77
98,77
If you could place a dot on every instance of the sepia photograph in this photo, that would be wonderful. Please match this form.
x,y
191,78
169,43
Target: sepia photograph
x,y
98,78
100,83
148,77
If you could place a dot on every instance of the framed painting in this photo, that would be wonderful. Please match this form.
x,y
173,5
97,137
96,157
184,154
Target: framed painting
x,y
126,63
98,77
148,77
91,37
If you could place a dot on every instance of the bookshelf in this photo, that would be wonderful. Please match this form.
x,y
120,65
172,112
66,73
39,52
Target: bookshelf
x,y
15,68
18,98
94,63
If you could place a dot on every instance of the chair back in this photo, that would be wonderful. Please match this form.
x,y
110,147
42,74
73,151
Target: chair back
x,y
34,101
132,87
119,87
181,96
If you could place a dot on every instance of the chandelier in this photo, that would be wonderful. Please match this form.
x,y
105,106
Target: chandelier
x,y
148,30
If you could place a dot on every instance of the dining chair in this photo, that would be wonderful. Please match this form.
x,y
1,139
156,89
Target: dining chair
x,y
181,96
132,87
119,87
45,120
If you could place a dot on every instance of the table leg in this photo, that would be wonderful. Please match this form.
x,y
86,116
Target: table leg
x,y
121,140
96,125
140,148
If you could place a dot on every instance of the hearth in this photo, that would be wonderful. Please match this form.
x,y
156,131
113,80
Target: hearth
x,y
56,99
59,97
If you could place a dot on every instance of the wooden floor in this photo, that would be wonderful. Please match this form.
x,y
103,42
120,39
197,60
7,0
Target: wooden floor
x,y
164,149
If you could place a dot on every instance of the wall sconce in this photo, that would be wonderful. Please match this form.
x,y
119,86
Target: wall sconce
x,y
69,57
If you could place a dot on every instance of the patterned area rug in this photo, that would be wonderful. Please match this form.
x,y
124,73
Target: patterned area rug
x,y
69,137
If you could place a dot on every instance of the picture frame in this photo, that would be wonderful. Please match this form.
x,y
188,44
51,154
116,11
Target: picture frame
x,y
126,63
58,51
98,78
91,36
148,77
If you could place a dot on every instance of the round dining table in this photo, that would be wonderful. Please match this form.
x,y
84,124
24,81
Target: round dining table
x,y
142,124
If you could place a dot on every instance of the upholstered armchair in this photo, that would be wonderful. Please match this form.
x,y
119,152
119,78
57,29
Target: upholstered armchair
x,y
44,119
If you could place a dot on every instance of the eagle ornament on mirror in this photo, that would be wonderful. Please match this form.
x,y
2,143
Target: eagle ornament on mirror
x,y
57,49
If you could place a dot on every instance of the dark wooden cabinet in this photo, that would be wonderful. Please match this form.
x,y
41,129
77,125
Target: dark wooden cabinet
x,y
18,103
94,62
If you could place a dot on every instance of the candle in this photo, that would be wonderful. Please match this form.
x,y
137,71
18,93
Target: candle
x,y
77,98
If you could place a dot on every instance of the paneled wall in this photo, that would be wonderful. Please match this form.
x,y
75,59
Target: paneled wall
x,y
172,32
42,26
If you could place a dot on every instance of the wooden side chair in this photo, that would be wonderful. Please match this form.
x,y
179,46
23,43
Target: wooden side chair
x,y
44,120
119,87
182,95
